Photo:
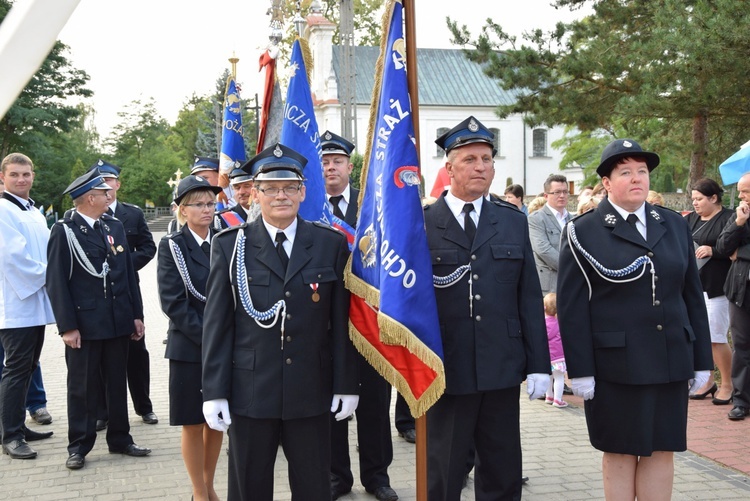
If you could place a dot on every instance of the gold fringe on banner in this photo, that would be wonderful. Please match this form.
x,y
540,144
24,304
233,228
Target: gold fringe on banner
x,y
391,331
307,57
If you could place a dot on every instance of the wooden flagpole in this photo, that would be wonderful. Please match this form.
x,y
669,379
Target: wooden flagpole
x,y
411,76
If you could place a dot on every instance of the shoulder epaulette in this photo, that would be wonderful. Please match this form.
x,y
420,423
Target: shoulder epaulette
x,y
107,217
667,208
327,227
130,205
230,229
502,203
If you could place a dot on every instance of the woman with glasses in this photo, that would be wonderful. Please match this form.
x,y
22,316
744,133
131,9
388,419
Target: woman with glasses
x,y
182,274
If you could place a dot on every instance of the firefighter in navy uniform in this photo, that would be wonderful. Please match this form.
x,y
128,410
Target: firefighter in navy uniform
x,y
97,305
142,251
277,357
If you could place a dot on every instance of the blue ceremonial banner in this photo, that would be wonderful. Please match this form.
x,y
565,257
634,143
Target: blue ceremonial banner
x,y
393,314
232,142
299,131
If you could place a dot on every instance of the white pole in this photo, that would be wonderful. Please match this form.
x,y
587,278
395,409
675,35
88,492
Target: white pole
x,y
27,35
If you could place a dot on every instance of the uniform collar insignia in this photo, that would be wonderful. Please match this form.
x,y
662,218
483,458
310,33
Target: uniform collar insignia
x,y
106,227
655,214
84,229
610,219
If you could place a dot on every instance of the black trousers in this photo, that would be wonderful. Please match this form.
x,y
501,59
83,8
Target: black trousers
x,y
253,444
22,346
739,324
373,434
491,421
139,379
403,419
85,368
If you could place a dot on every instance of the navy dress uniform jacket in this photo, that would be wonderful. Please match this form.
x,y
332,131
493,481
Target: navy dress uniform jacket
x,y
245,363
621,334
140,241
504,338
78,298
184,310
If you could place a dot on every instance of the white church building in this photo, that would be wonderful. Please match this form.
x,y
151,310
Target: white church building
x,y
450,89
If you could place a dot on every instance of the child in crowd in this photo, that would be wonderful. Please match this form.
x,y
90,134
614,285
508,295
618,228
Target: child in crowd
x,y
555,390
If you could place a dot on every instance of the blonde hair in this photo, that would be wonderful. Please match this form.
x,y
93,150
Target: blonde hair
x,y
189,198
550,304
586,205
654,198
536,204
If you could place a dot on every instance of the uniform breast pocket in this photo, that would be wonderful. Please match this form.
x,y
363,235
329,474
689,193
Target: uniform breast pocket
x,y
321,282
444,261
508,261
257,283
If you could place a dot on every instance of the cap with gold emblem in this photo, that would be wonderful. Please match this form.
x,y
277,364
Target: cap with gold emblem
x,y
469,131
277,162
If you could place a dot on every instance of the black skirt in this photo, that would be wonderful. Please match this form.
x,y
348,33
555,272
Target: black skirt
x,y
638,419
185,396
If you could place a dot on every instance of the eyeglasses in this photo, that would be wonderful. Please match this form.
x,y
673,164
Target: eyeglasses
x,y
202,205
559,193
289,191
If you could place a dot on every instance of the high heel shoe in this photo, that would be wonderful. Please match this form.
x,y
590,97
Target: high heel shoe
x,y
700,396
719,401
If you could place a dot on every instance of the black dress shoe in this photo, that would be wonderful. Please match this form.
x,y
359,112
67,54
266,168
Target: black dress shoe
x,y
19,449
32,435
384,493
738,413
101,424
567,390
75,461
338,490
721,401
133,450
524,480
150,418
409,435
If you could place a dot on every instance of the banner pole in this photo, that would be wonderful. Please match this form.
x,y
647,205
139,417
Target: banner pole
x,y
411,78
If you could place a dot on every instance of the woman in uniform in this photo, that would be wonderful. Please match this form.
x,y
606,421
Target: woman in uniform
x,y
633,325
182,274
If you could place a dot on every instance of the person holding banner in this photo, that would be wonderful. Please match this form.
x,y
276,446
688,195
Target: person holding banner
x,y
279,361
373,411
492,324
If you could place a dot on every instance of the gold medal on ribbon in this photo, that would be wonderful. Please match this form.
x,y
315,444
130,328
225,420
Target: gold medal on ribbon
x,y
315,295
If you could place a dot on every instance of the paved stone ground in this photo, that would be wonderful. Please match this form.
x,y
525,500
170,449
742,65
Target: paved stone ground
x,y
557,455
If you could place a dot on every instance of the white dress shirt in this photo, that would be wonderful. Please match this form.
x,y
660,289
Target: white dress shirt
x,y
456,205
23,268
290,232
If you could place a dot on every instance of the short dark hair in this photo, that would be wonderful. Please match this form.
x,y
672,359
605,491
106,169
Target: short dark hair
x,y
554,178
514,189
709,188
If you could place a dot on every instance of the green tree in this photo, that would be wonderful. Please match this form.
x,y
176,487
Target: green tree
x,y
670,73
148,152
43,107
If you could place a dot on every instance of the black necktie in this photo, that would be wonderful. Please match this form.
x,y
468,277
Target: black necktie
x,y
110,212
280,237
336,209
98,228
206,249
632,219
469,227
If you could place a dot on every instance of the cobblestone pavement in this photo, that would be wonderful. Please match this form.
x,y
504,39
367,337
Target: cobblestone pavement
x,y
558,458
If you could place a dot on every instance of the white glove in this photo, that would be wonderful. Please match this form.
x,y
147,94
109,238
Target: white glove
x,y
211,411
536,385
583,387
699,380
348,405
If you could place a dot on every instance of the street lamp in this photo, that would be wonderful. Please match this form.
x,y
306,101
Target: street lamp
x,y
299,21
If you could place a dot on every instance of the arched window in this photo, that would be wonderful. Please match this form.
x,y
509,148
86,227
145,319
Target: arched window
x,y
540,142
440,152
496,141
